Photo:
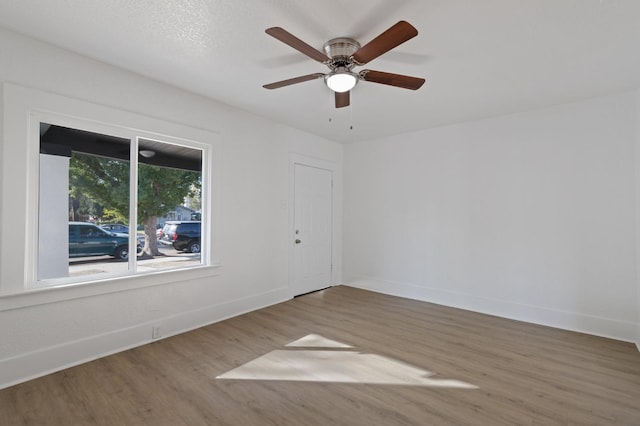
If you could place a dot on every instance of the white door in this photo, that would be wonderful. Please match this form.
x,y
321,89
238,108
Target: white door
x,y
312,228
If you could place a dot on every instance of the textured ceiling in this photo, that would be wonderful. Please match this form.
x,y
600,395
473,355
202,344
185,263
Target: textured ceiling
x,y
480,58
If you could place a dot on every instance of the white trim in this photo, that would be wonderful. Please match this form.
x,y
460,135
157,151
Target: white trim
x,y
336,205
573,321
59,357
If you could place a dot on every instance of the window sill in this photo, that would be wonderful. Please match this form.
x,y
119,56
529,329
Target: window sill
x,y
45,295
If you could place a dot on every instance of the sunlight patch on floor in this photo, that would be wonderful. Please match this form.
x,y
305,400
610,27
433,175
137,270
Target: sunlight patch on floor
x,y
316,341
333,364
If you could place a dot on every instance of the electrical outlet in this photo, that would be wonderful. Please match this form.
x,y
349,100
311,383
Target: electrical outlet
x,y
155,332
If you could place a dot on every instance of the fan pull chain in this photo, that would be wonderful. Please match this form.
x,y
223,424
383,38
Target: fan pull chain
x,y
351,111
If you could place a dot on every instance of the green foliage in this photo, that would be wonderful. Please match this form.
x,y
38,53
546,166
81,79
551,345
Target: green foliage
x,y
114,216
160,189
195,200
81,207
106,182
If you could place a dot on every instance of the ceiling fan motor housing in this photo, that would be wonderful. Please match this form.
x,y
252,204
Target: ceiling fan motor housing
x,y
341,50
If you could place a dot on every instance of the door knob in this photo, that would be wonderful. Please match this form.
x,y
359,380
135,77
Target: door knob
x,y
298,241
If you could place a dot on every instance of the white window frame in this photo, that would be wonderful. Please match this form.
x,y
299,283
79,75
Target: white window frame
x,y
24,110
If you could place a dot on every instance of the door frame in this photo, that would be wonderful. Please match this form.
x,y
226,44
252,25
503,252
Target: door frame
x,y
336,215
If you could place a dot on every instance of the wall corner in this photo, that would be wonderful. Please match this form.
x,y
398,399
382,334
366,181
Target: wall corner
x,y
637,211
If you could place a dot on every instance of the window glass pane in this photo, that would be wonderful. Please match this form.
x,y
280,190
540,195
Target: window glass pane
x,y
84,186
85,224
169,205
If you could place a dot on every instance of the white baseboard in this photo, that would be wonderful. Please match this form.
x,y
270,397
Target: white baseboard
x,y
573,321
55,358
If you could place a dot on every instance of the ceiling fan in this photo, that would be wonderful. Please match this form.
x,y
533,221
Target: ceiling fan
x,y
343,54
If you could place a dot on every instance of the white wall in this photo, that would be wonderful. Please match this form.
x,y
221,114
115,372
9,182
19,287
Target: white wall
x,y
47,330
528,216
637,213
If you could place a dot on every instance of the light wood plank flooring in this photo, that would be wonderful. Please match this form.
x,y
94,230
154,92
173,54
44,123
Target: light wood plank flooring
x,y
405,364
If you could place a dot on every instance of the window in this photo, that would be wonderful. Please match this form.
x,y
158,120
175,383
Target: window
x,y
104,198
27,114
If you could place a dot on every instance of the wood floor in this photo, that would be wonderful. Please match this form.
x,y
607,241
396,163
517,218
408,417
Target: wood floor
x,y
364,359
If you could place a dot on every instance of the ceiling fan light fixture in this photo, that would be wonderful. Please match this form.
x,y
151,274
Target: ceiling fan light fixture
x,y
341,81
147,153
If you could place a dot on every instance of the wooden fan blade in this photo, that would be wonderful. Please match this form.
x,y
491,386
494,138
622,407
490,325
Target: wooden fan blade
x,y
393,37
294,80
395,80
293,41
342,99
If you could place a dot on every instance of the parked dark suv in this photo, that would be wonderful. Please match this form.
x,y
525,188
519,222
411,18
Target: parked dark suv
x,y
182,235
87,239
